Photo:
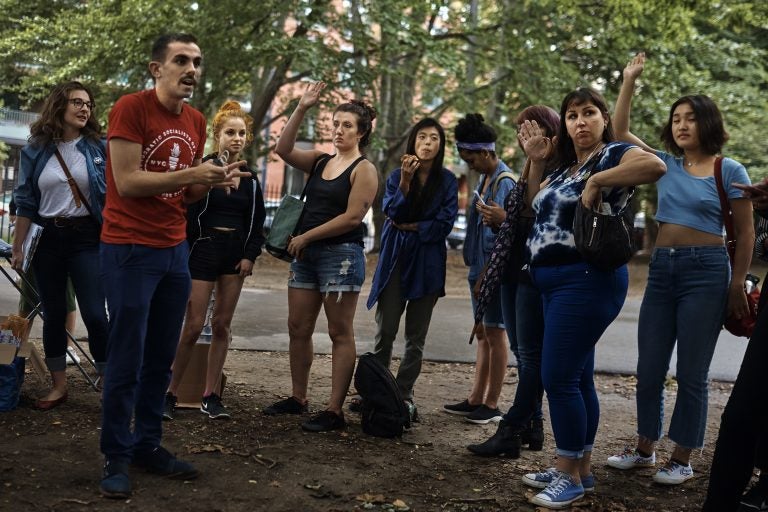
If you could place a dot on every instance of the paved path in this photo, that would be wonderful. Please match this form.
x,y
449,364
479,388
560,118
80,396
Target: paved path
x,y
260,324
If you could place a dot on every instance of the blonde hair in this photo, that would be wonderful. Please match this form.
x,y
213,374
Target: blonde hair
x,y
228,110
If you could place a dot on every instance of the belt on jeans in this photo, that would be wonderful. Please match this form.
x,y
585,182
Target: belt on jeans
x,y
68,222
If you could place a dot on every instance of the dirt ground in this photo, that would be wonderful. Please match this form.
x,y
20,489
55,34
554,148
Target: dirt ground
x,y
50,461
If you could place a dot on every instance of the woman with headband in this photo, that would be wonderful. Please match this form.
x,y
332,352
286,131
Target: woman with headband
x,y
476,142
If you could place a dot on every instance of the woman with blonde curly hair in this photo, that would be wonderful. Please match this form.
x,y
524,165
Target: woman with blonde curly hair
x,y
225,230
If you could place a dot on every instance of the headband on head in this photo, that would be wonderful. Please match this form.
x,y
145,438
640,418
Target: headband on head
x,y
477,146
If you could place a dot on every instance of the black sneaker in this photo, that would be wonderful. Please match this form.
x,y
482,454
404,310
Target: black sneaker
x,y
212,406
162,462
114,481
755,500
483,415
170,407
461,408
288,406
324,422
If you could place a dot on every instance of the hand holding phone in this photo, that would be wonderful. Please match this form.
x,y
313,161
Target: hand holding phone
x,y
479,198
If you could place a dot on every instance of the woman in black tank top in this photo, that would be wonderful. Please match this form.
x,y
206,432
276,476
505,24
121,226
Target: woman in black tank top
x,y
329,265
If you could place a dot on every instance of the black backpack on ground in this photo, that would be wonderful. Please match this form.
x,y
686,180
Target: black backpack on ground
x,y
383,410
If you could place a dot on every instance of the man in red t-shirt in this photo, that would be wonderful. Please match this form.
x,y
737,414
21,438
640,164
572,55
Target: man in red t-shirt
x,y
155,146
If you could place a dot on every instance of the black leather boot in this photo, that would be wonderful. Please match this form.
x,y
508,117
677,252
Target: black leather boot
x,y
533,436
504,443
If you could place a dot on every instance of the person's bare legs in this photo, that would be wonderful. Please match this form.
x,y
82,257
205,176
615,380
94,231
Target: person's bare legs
x,y
194,318
482,368
228,289
58,386
498,357
303,308
341,315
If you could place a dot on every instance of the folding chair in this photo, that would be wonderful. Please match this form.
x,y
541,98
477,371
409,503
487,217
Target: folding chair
x,y
34,300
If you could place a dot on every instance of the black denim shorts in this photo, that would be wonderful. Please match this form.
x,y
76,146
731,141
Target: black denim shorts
x,y
215,253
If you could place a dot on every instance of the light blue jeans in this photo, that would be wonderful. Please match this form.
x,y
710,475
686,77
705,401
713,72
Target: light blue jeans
x,y
684,302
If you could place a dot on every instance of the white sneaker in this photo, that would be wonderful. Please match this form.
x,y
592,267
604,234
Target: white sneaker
x,y
72,357
673,474
631,459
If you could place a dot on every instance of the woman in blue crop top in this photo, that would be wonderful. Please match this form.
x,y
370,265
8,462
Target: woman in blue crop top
x,y
329,265
691,283
225,230
580,301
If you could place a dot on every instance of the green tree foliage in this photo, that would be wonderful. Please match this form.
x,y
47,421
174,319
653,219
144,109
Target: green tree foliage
x,y
409,58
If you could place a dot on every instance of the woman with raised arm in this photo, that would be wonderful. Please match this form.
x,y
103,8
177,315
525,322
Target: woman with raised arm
x,y
691,284
420,202
225,230
580,300
61,187
329,265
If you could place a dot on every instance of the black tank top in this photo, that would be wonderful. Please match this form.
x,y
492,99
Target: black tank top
x,y
327,199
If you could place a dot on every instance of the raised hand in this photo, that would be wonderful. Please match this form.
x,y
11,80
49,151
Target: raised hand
x,y
635,67
312,95
409,164
536,145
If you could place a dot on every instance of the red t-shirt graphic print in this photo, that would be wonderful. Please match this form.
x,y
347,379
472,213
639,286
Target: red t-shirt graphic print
x,y
169,143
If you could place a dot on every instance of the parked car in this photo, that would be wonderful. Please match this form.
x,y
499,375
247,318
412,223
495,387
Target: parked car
x,y
459,232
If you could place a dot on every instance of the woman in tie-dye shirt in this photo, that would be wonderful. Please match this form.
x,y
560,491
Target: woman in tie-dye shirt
x,y
580,301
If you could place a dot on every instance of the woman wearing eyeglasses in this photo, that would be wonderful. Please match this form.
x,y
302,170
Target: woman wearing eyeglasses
x,y
61,187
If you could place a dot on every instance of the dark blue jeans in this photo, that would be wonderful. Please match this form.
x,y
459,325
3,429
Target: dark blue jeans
x,y
70,251
684,305
580,302
147,291
529,323
509,312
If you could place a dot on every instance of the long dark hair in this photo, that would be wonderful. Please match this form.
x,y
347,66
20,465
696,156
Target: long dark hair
x,y
565,153
709,125
365,116
419,198
49,127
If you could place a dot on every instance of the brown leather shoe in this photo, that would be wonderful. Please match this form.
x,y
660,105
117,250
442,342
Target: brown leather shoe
x,y
47,405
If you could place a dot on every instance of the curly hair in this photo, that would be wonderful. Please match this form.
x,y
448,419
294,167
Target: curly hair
x,y
365,115
709,125
49,127
231,109
472,128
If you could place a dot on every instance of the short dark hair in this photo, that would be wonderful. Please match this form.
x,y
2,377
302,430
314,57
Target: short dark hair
x,y
565,153
709,125
49,127
160,46
365,116
472,128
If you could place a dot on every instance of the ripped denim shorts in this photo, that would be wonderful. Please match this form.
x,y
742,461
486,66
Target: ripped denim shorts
x,y
332,268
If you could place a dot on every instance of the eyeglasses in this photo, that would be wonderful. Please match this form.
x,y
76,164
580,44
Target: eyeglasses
x,y
78,103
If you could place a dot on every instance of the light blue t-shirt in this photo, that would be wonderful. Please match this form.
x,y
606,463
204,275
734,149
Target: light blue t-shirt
x,y
692,201
551,240
479,238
